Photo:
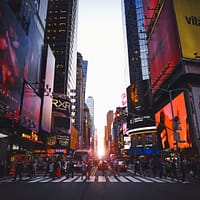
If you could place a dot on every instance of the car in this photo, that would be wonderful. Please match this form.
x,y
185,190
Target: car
x,y
121,165
103,165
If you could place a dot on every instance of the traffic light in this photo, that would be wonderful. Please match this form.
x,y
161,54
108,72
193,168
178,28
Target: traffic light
x,y
133,94
118,114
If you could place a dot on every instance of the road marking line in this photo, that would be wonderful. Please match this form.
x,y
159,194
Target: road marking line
x,y
133,179
144,179
101,179
70,179
112,179
122,179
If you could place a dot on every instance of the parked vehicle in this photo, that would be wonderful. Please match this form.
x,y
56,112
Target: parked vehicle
x,y
121,165
78,156
103,165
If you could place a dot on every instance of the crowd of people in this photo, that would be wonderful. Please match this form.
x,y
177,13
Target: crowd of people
x,y
155,166
167,168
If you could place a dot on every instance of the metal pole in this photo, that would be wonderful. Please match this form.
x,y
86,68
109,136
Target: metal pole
x,y
174,125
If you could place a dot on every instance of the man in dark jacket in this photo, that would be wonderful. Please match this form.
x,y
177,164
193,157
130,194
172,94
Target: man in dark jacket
x,y
18,170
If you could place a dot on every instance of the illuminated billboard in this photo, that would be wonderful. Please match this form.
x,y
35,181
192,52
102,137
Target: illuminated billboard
x,y
149,7
13,56
49,83
164,122
163,45
61,107
188,21
30,113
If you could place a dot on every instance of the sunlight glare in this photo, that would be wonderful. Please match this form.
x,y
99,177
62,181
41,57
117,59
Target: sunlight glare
x,y
100,146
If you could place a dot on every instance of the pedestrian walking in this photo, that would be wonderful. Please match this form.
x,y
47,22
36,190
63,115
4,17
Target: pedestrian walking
x,y
70,169
47,170
183,169
173,170
18,170
112,169
83,169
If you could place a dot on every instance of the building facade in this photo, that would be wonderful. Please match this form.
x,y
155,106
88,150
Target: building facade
x,y
140,119
173,35
22,92
61,35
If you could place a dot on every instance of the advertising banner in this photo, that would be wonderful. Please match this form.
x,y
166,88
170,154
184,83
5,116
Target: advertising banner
x,y
149,7
164,52
49,84
13,57
188,20
30,113
61,106
164,121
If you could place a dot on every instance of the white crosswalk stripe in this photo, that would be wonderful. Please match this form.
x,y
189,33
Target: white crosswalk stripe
x,y
144,179
96,179
70,179
112,179
123,179
133,179
101,179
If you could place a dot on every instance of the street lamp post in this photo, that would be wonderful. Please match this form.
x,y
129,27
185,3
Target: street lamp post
x,y
174,127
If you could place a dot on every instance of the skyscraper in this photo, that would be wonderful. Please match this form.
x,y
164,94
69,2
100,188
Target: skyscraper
x,y
61,35
140,122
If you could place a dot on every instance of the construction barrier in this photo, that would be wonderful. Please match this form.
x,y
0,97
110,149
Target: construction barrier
x,y
12,171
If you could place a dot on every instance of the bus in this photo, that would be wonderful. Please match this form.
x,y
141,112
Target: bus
x,y
79,155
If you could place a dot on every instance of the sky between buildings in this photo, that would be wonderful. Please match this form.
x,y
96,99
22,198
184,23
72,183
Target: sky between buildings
x,y
101,42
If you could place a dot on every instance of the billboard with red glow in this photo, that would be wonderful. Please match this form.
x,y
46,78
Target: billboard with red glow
x,y
30,113
149,7
163,45
49,83
164,122
13,56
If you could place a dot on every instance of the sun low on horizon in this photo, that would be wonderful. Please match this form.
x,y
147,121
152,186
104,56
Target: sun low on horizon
x,y
100,146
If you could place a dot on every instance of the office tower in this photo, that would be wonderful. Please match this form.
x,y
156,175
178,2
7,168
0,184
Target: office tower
x,y
140,124
173,35
80,98
90,104
61,35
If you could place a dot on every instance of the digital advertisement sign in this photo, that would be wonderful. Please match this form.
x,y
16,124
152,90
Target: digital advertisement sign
x,y
30,114
164,122
149,7
188,21
13,56
163,45
61,106
49,83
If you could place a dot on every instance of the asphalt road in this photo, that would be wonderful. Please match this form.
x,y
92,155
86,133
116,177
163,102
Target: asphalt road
x,y
99,190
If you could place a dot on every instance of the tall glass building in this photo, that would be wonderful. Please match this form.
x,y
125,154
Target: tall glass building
x,y
140,123
61,35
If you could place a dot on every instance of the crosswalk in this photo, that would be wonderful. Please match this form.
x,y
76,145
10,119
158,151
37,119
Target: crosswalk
x,y
95,179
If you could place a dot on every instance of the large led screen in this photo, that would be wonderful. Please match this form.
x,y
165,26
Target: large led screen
x,y
149,7
30,113
164,51
61,114
49,80
187,15
13,56
33,64
164,121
